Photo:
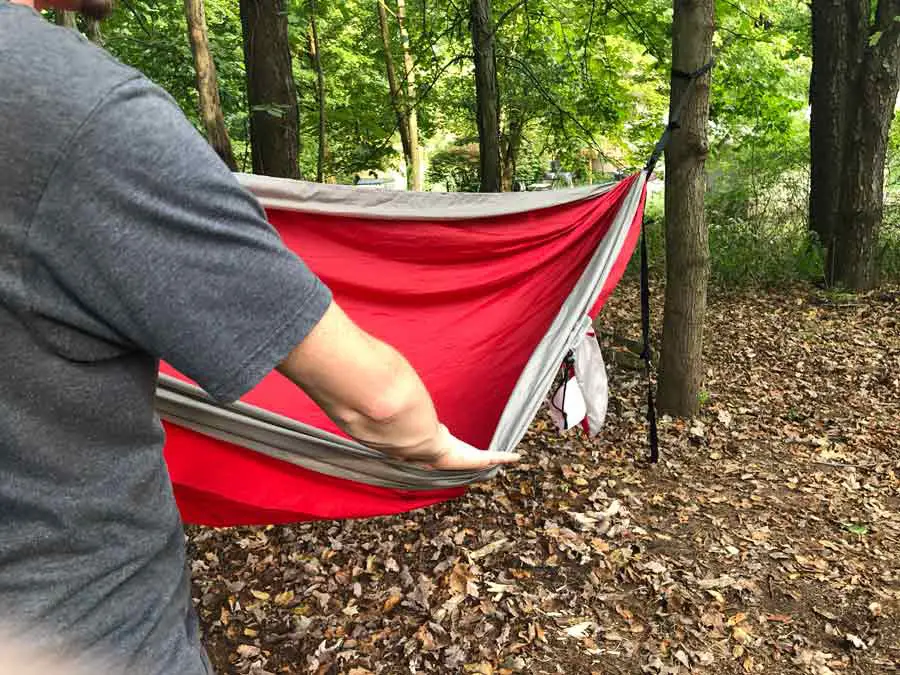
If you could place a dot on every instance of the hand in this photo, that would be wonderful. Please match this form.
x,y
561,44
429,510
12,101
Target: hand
x,y
456,454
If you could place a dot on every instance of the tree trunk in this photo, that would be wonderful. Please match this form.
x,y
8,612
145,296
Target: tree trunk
x,y
271,92
414,168
486,94
831,80
853,91
512,140
396,102
67,19
315,60
687,244
93,31
207,83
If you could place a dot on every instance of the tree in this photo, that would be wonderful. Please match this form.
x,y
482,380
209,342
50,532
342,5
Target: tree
x,y
486,94
853,91
397,102
67,19
271,92
315,60
92,30
207,83
414,168
687,245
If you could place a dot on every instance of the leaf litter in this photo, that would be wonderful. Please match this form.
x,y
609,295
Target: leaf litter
x,y
765,541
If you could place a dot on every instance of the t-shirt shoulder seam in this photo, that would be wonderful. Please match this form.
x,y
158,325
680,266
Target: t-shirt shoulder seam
x,y
61,156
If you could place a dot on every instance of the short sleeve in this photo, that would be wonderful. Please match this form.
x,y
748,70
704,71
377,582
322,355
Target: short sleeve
x,y
145,230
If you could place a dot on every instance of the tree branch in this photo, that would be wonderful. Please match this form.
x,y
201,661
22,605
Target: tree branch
x,y
562,111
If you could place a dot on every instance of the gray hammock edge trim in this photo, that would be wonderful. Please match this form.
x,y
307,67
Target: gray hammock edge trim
x,y
567,328
297,443
303,445
347,200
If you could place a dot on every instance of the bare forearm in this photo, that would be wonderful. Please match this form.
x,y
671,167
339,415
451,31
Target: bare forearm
x,y
367,387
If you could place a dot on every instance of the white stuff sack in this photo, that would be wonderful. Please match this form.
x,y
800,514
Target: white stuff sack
x,y
567,406
584,396
593,385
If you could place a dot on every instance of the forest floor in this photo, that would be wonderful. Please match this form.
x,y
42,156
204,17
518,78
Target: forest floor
x,y
765,541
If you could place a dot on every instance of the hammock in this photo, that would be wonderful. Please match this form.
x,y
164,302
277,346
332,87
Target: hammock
x,y
485,294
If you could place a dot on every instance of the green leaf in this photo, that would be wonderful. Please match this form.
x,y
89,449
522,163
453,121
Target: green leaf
x,y
856,528
875,37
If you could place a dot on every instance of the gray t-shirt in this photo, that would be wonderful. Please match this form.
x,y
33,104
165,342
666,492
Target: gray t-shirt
x,y
123,239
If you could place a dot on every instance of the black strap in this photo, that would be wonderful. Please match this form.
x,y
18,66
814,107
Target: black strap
x,y
658,149
645,351
694,74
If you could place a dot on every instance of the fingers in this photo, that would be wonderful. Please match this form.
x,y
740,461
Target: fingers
x,y
460,455
483,460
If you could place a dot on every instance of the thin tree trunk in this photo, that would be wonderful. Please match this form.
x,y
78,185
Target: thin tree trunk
x,y
271,91
412,118
315,60
67,19
207,83
687,244
512,140
397,104
93,31
486,94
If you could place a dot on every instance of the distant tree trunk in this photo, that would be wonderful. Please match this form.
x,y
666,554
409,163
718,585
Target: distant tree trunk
x,y
315,60
512,140
486,94
67,19
271,92
853,91
687,244
412,118
94,34
207,84
396,99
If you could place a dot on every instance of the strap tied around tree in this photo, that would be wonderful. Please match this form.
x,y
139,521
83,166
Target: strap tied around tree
x,y
675,118
693,75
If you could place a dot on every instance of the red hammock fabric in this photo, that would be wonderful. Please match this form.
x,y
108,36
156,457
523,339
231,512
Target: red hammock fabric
x,y
466,301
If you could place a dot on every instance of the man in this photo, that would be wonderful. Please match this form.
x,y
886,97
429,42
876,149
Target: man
x,y
123,240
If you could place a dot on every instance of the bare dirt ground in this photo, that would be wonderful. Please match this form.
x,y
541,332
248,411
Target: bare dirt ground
x,y
767,540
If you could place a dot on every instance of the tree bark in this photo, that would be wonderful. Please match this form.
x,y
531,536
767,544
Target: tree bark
x,y
66,19
853,91
315,60
687,244
396,102
207,83
414,168
835,34
94,34
512,140
486,94
271,91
